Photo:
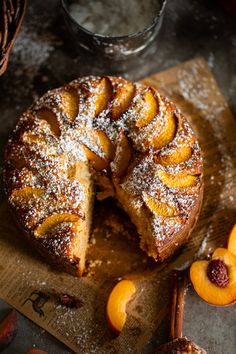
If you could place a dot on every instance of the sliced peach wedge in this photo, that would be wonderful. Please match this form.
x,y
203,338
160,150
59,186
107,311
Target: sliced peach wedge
x,y
167,133
215,280
53,220
160,208
116,306
51,118
232,241
70,103
105,143
25,194
124,94
146,108
102,95
122,157
178,180
106,147
181,154
99,163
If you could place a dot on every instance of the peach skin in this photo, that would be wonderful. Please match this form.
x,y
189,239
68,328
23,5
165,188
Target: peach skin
x,y
215,280
116,305
231,245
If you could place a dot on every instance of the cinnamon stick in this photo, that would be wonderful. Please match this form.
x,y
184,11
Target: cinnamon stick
x,y
177,307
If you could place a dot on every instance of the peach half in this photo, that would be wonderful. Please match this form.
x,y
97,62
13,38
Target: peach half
x,y
215,280
116,305
231,245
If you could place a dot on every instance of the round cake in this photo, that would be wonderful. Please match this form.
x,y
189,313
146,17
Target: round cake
x,y
100,137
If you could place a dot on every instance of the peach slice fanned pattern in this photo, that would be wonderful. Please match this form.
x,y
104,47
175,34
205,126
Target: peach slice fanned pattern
x,y
102,126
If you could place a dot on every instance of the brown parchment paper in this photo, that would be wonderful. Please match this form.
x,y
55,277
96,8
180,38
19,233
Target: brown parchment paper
x,y
33,287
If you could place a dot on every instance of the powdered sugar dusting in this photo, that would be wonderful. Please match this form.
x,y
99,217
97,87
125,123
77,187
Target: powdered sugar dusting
x,y
52,150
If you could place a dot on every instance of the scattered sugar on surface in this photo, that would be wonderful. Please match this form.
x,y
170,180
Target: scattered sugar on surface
x,y
199,93
51,156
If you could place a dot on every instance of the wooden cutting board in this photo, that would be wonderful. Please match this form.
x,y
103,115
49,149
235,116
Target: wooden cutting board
x,y
31,286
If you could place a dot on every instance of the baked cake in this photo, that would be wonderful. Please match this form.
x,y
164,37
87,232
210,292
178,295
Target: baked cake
x,y
108,137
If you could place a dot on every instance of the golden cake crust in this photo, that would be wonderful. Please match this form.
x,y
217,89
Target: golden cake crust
x,y
107,131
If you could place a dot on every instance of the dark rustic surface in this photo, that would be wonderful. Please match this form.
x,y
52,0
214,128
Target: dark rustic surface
x,y
45,57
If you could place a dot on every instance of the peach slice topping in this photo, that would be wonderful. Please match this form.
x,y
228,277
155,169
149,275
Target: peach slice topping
x,y
99,163
24,195
53,220
146,108
232,241
70,103
28,137
123,99
123,156
116,306
215,280
106,144
159,208
181,154
178,180
51,118
102,95
167,133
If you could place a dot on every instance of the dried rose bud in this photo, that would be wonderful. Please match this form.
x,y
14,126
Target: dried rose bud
x,y
70,301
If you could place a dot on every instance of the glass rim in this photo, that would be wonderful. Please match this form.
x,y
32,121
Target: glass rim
x,y
121,37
